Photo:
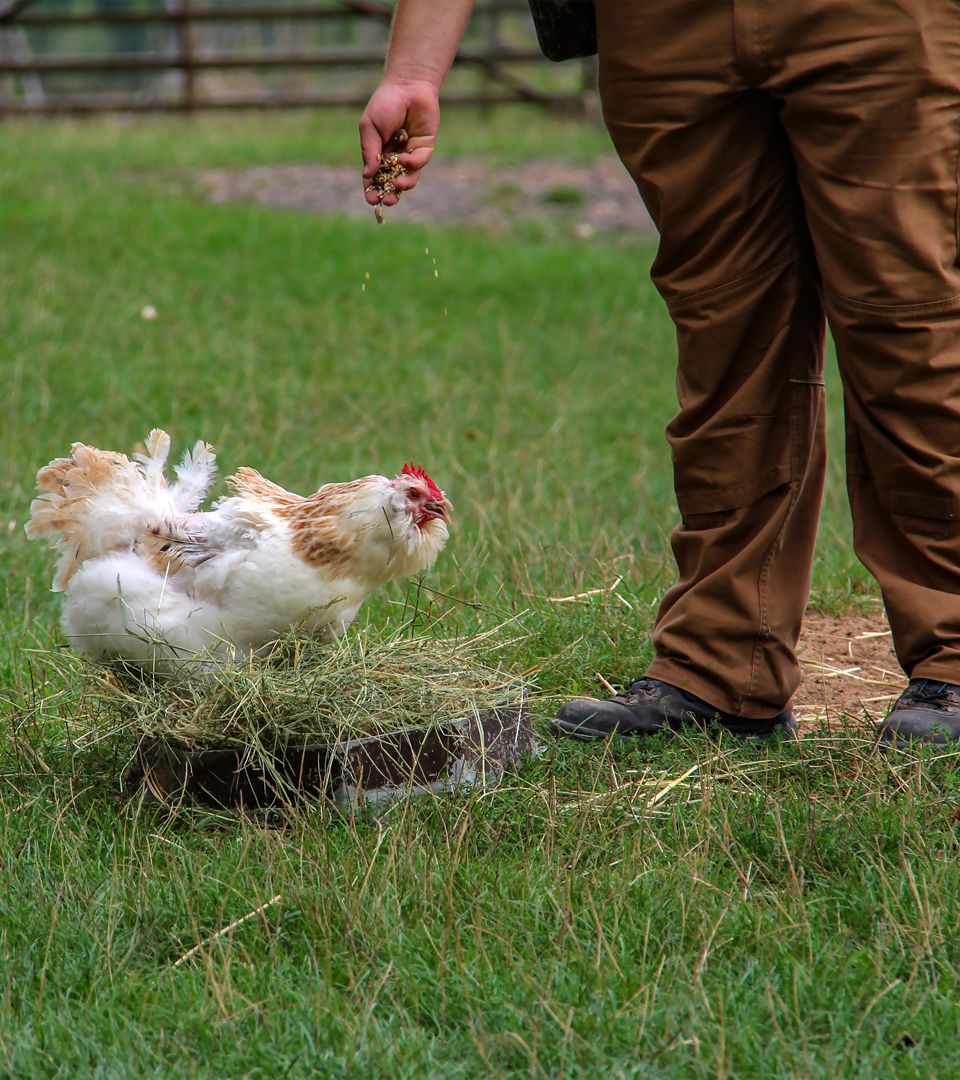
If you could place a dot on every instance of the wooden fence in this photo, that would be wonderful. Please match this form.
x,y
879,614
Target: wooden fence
x,y
205,60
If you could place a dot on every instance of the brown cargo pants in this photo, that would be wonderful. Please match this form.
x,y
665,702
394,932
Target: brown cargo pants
x,y
800,158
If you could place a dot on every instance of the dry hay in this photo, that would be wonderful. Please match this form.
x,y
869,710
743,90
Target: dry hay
x,y
300,690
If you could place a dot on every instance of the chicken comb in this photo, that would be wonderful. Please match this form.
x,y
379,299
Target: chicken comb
x,y
409,469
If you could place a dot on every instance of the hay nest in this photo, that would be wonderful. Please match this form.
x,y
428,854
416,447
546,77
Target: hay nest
x,y
299,690
361,719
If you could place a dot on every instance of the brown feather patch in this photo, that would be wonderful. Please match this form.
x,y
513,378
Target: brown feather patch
x,y
316,521
318,535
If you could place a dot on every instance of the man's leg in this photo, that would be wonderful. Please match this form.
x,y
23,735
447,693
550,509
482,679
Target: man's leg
x,y
736,269
873,121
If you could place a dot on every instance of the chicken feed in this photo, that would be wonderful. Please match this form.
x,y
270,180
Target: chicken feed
x,y
385,178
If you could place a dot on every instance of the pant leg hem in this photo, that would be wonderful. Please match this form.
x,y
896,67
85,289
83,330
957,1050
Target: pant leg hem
x,y
677,675
938,672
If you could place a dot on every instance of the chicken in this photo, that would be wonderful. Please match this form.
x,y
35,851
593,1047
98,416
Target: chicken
x,y
150,579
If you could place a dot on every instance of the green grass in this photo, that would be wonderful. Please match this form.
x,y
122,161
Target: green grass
x,y
784,911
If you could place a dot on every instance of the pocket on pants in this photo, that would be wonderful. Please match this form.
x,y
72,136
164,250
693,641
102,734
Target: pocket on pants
x,y
724,469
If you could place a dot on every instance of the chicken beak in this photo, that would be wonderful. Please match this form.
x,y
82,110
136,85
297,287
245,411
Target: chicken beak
x,y
439,509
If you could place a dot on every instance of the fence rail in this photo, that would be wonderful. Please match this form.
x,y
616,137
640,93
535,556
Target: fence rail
x,y
32,80
26,16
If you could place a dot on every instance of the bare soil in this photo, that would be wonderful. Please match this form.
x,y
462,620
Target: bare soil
x,y
849,668
581,199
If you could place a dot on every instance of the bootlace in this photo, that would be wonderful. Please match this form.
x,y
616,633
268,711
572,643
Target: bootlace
x,y
637,689
938,694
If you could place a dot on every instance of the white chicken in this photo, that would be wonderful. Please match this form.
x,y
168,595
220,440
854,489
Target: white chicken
x,y
150,579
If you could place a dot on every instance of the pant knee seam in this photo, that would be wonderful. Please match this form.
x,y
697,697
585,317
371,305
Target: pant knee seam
x,y
895,309
768,268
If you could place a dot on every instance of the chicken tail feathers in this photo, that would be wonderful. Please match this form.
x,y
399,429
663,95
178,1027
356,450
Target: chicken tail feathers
x,y
195,474
153,460
98,501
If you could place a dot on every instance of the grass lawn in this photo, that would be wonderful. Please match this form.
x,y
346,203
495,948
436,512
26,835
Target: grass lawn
x,y
780,911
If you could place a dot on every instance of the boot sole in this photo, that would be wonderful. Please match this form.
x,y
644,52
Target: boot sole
x,y
582,732
585,733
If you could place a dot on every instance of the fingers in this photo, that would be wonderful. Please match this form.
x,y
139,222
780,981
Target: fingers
x,y
371,146
374,198
383,117
414,158
404,181
412,162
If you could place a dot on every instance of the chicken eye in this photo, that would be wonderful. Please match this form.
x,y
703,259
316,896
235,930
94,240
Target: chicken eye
x,y
416,493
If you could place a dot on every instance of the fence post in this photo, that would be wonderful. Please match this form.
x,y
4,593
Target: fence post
x,y
185,53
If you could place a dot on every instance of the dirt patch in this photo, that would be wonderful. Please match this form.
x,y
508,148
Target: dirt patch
x,y
581,199
849,668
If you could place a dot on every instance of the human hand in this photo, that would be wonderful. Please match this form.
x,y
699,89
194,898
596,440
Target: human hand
x,y
411,107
